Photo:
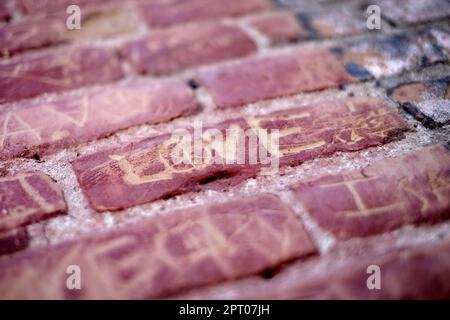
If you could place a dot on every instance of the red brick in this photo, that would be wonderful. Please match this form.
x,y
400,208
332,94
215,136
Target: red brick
x,y
428,102
57,71
163,13
27,34
334,21
279,28
165,254
173,50
273,77
27,198
13,241
145,171
410,189
4,12
421,272
413,11
27,131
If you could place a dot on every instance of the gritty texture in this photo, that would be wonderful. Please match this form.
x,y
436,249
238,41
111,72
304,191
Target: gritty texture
x,y
397,54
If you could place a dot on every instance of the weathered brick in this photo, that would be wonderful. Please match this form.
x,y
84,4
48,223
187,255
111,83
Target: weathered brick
x,y
26,130
413,11
333,21
164,13
13,241
57,71
272,77
428,102
389,55
28,33
27,198
146,171
409,189
279,28
165,254
411,272
175,49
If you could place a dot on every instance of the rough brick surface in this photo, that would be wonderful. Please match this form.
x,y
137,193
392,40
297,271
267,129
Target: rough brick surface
x,y
59,71
273,77
410,189
176,49
165,13
27,198
390,55
421,272
146,171
178,251
26,130
428,102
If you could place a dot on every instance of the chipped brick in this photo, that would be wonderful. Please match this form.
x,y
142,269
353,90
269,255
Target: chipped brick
x,y
279,28
165,13
13,241
413,11
58,71
409,189
27,131
428,102
165,254
272,77
27,198
389,55
145,171
173,50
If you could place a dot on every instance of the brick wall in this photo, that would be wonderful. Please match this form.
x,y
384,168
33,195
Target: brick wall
x,y
364,175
